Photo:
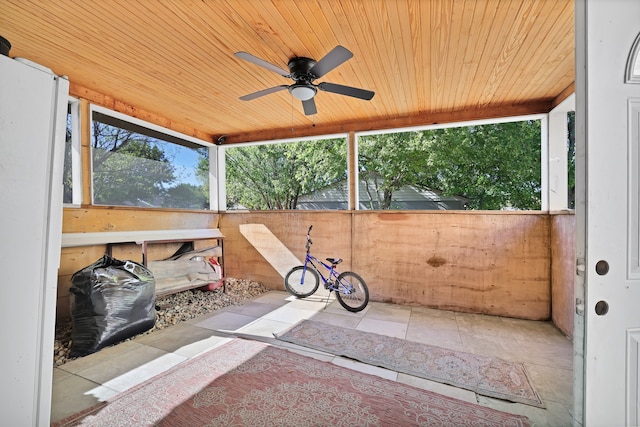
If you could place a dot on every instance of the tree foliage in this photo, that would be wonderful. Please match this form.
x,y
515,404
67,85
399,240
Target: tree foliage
x,y
274,176
388,162
186,196
128,168
495,166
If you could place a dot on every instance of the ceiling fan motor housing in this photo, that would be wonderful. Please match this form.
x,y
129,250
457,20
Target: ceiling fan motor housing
x,y
303,88
300,68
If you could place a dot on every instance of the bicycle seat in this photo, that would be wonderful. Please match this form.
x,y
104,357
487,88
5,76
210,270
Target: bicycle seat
x,y
334,261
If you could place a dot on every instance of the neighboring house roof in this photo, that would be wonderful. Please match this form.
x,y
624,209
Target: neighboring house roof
x,y
407,198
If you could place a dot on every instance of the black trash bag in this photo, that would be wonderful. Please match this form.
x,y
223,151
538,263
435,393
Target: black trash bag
x,y
111,301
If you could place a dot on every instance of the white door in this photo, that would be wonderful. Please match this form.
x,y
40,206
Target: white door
x,y
608,123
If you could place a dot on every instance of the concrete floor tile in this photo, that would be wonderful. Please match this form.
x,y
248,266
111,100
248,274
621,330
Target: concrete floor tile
x,y
121,364
175,337
552,383
392,312
226,321
253,309
485,325
264,328
433,319
144,372
274,298
73,394
202,346
291,315
101,356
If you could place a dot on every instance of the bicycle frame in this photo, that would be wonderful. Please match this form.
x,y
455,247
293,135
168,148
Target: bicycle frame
x,y
332,273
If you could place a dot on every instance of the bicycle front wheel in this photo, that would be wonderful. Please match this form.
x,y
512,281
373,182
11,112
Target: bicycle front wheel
x,y
301,282
352,292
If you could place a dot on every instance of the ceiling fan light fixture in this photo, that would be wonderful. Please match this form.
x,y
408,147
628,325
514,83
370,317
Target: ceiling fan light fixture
x,y
303,92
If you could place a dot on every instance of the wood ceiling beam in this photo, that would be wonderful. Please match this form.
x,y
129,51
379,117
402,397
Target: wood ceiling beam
x,y
425,119
111,103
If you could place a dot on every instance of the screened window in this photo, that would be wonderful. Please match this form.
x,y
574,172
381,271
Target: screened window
x,y
293,175
134,165
485,167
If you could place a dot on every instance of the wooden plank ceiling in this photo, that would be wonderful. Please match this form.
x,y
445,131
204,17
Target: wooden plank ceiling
x,y
428,61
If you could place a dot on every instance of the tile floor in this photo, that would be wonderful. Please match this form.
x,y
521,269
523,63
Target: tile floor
x,y
546,352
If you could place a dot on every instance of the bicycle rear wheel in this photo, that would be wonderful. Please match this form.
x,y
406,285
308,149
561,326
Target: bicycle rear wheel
x,y
352,292
301,282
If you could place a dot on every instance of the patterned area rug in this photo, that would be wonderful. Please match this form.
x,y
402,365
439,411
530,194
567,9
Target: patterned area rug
x,y
484,375
248,383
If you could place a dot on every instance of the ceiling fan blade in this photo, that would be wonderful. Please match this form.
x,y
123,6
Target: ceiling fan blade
x,y
330,61
346,90
263,92
309,107
261,62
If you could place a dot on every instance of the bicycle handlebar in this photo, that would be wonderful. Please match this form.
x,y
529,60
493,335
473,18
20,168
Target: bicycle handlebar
x,y
309,242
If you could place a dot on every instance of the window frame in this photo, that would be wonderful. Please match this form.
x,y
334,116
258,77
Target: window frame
x,y
174,136
537,116
221,162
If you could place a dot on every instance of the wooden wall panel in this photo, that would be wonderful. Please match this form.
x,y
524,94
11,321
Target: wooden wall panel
x,y
331,236
563,262
494,263
97,218
491,263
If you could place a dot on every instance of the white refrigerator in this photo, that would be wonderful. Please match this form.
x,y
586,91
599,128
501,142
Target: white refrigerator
x,y
33,109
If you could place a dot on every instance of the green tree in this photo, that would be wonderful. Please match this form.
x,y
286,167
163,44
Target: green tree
x,y
274,176
186,196
128,168
496,166
388,162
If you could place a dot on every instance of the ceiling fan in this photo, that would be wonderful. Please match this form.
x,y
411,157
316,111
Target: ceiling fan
x,y
303,71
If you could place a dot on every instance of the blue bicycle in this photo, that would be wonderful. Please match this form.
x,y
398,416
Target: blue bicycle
x,y
302,281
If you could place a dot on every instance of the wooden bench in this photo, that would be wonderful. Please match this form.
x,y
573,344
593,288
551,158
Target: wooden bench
x,y
145,238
